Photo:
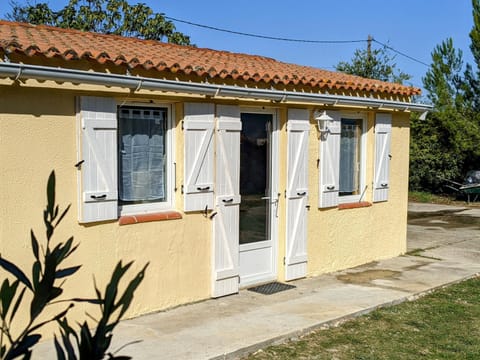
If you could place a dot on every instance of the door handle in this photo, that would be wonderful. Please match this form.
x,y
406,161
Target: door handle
x,y
302,193
331,187
384,184
273,202
227,200
98,197
203,188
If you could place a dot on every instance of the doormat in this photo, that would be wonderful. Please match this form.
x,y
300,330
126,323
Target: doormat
x,y
271,288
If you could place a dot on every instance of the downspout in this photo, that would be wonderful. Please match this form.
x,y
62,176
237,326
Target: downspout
x,y
24,71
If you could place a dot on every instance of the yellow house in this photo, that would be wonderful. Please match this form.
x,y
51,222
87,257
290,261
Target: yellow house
x,y
222,170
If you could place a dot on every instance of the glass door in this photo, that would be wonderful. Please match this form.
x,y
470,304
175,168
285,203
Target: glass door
x,y
256,247
254,190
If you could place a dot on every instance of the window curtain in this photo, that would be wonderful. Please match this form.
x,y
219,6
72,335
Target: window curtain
x,y
348,156
142,154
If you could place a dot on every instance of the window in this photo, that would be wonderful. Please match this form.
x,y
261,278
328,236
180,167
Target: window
x,y
351,159
142,158
351,131
343,159
125,162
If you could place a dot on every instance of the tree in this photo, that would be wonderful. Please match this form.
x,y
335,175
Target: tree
x,y
104,16
443,81
434,153
471,76
373,64
446,144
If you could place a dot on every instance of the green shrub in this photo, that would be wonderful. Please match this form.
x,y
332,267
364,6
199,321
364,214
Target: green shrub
x,y
45,285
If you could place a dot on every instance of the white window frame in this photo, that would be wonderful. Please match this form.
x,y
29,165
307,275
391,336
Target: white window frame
x,y
363,158
137,209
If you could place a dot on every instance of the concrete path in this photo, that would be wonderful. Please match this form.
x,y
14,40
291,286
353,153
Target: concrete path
x,y
445,246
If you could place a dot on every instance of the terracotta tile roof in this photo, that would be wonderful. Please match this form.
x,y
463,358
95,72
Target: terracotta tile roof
x,y
71,45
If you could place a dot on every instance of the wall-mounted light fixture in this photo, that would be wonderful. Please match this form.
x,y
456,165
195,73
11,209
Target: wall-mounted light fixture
x,y
322,122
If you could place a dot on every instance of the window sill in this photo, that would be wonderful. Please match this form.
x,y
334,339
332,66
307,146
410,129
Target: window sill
x,y
141,218
354,205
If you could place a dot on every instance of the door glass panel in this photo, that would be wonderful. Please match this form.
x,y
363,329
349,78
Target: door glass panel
x,y
254,179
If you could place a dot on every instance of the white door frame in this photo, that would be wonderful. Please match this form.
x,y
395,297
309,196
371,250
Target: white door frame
x,y
274,195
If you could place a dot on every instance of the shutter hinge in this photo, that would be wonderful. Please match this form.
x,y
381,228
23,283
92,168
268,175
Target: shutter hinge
x,y
239,279
285,194
181,189
284,261
183,128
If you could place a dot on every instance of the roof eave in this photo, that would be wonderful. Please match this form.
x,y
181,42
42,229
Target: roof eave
x,y
135,83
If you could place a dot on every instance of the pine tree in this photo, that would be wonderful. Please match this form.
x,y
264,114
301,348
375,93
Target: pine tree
x,y
373,64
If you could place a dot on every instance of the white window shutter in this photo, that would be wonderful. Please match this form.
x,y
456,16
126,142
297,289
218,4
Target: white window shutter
x,y
298,127
198,127
98,156
225,255
330,162
383,134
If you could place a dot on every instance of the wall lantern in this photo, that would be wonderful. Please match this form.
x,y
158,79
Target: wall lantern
x,y
322,122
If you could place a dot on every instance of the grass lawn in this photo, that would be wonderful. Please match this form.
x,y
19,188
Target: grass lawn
x,y
442,325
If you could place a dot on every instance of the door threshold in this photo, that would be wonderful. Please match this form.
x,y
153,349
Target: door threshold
x,y
255,281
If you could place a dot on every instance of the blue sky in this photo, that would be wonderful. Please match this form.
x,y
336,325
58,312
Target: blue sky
x,y
413,27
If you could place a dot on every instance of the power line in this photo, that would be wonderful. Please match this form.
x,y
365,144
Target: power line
x,y
258,36
400,53
265,36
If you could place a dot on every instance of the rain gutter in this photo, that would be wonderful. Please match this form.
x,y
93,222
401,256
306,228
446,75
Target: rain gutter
x,y
135,83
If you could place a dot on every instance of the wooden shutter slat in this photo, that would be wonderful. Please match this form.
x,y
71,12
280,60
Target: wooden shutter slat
x,y
383,130
98,172
198,153
298,127
329,166
227,204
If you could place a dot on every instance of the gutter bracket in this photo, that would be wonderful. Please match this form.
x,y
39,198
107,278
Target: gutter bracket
x,y
423,115
138,86
20,70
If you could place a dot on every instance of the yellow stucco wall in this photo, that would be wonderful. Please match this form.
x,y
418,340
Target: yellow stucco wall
x,y
339,239
38,134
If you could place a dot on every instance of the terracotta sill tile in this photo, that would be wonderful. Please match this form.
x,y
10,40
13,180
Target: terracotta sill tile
x,y
354,205
141,218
